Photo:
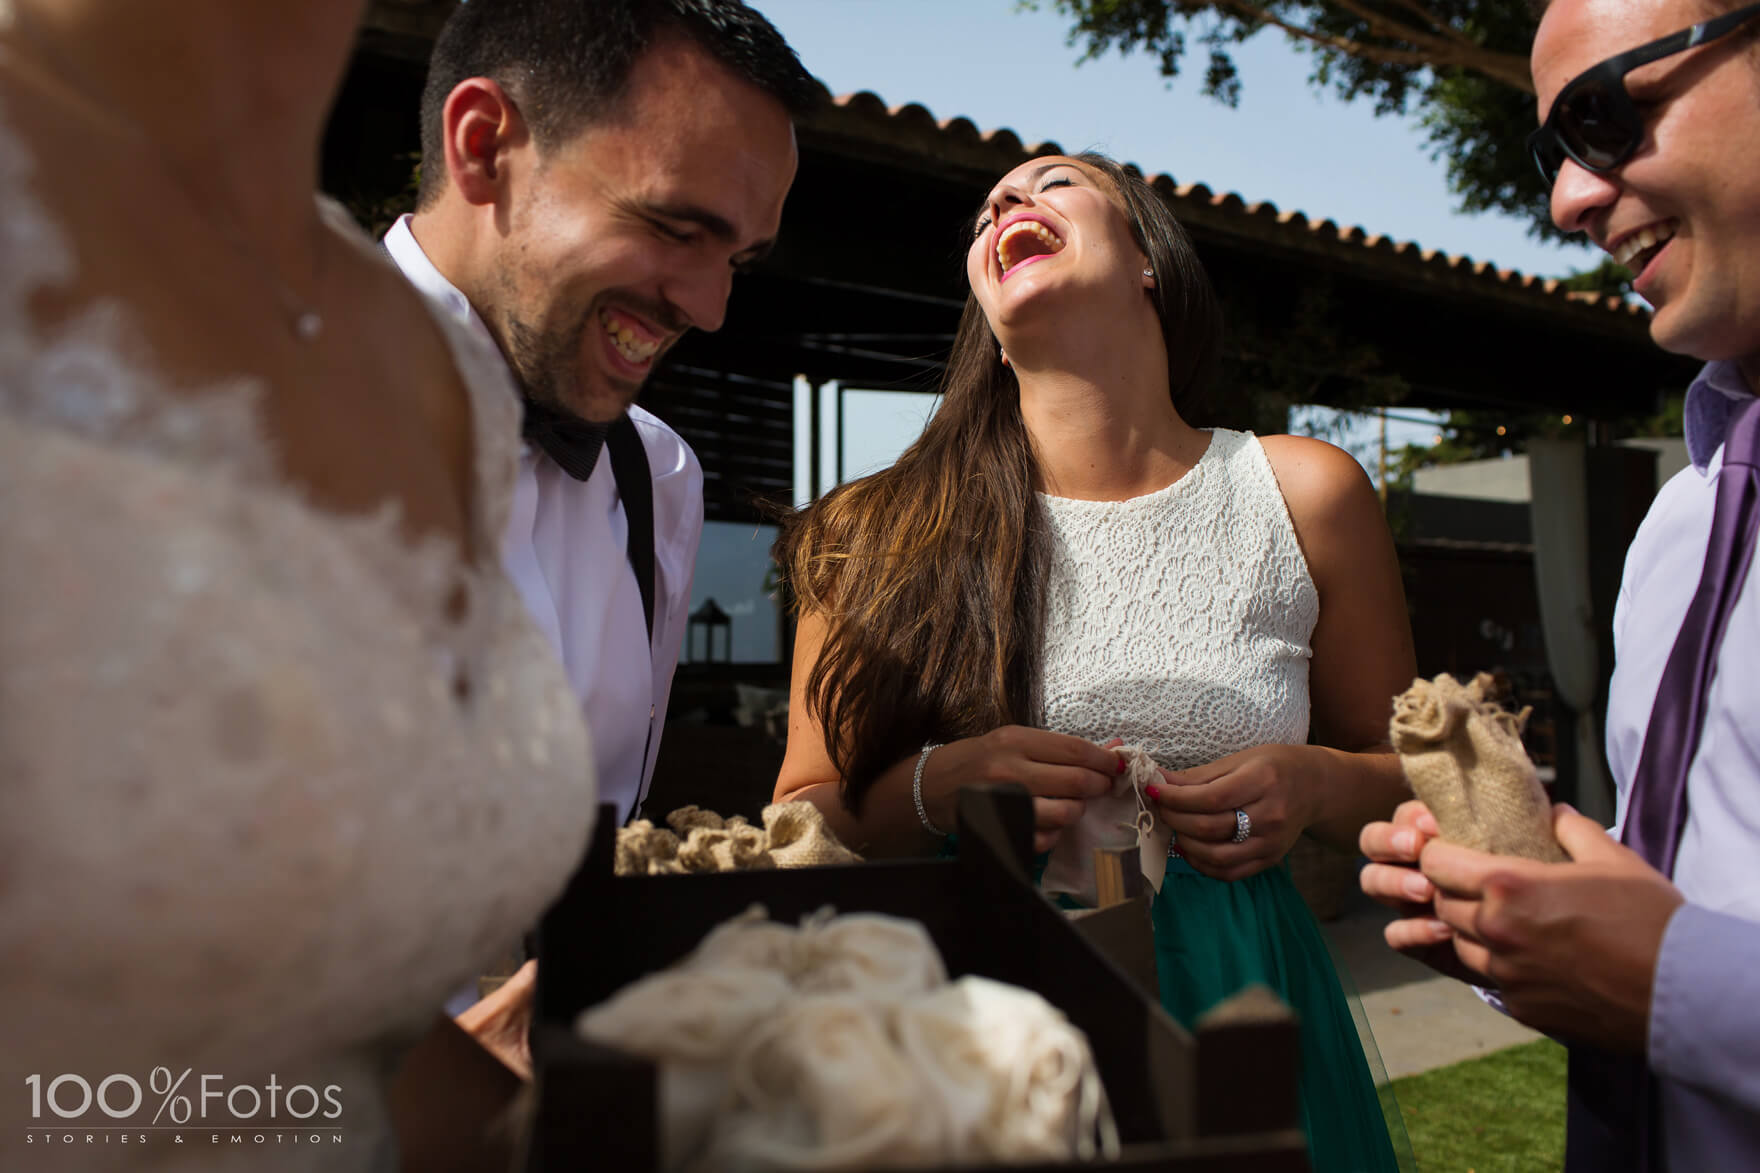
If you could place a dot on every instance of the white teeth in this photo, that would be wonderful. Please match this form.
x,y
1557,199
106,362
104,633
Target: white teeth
x,y
1045,234
1643,241
636,350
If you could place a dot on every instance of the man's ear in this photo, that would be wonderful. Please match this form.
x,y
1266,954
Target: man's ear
x,y
481,126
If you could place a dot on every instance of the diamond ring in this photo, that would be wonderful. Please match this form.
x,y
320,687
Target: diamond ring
x,y
1243,826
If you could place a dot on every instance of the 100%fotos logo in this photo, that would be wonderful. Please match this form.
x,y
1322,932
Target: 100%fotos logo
x,y
120,1097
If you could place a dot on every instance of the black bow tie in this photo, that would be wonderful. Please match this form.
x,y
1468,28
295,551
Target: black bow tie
x,y
573,443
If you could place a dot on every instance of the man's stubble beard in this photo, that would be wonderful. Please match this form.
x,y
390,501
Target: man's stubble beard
x,y
547,365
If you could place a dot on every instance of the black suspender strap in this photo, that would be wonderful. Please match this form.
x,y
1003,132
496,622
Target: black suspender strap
x,y
635,485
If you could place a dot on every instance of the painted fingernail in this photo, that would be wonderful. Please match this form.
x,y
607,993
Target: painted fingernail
x,y
1152,791
1121,765
1405,842
1417,887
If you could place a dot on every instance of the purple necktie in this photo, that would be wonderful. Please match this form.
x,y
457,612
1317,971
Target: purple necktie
x,y
1613,1114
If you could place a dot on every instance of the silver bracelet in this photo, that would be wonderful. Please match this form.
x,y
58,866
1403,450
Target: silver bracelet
x,y
917,788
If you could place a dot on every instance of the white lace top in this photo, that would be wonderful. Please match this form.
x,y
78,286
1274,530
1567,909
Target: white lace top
x,y
262,803
1180,620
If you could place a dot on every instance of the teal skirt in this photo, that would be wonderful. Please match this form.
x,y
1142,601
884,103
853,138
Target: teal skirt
x,y
1213,937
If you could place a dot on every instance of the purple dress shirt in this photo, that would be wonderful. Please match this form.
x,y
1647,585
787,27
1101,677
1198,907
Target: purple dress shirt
x,y
1705,1010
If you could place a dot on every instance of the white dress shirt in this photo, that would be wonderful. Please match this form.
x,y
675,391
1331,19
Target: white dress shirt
x,y
1705,1008
565,549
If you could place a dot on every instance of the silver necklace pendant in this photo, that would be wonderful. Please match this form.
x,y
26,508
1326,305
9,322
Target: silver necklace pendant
x,y
307,324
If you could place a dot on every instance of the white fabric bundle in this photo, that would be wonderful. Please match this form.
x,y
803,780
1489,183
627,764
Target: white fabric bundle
x,y
1012,1079
841,1045
878,955
691,1019
1123,818
868,954
825,1088
687,1013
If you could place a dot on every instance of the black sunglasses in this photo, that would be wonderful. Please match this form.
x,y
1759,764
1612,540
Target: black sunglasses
x,y
1594,122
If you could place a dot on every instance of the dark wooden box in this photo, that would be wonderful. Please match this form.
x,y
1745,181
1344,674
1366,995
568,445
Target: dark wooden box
x,y
1225,1100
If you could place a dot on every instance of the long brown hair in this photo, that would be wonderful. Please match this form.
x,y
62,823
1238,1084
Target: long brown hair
x,y
930,575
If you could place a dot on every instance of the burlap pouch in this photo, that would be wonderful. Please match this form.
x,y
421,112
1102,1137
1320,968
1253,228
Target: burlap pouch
x,y
646,850
686,819
799,837
1463,755
794,835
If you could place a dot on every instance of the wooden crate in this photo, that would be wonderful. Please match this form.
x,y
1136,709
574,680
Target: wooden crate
x,y
1220,1102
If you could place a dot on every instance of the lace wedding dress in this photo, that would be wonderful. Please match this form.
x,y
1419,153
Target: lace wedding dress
x,y
1181,621
264,802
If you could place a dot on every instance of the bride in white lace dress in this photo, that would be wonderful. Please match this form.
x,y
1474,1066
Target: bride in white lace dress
x,y
282,761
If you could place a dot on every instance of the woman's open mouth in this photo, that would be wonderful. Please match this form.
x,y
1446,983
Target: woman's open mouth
x,y
1023,241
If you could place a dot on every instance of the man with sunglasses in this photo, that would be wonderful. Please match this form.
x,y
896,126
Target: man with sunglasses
x,y
1643,952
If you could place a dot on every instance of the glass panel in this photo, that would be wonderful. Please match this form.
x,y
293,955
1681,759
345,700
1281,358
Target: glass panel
x,y
878,425
733,568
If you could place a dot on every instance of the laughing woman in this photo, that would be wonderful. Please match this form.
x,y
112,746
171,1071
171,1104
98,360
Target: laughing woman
x,y
1063,559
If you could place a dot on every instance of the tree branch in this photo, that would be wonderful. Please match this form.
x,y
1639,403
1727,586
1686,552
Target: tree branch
x,y
1430,50
1383,25
1431,19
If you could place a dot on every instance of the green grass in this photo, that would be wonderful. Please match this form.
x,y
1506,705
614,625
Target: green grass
x,y
1500,1114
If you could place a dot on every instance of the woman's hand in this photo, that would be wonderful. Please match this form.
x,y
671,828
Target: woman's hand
x,y
1271,783
1061,771
502,1022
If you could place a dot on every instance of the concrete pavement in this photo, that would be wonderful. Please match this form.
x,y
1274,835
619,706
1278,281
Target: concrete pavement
x,y
1419,1018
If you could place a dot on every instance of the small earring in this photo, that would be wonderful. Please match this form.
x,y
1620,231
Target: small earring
x,y
1149,273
